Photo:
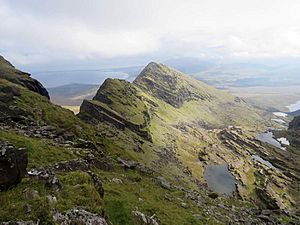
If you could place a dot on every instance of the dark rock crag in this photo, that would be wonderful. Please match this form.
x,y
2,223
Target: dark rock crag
x,y
295,124
117,102
10,73
13,164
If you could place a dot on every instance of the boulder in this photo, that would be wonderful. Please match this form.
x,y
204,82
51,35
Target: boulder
x,y
97,184
79,216
13,164
143,219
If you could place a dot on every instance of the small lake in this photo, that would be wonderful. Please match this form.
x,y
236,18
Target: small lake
x,y
220,179
267,137
294,107
265,162
280,114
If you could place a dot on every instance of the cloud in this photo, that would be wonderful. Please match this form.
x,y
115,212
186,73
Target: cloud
x,y
35,31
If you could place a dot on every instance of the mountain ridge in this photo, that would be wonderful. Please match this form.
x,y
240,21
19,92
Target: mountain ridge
x,y
129,155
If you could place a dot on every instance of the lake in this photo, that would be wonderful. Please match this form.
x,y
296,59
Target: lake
x,y
219,179
267,137
265,162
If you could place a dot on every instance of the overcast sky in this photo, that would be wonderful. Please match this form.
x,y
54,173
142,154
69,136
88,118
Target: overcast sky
x,y
51,32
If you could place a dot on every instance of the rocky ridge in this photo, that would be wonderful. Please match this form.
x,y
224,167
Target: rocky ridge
x,y
105,173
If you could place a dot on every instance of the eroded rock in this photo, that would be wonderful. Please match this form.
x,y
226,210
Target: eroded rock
x,y
13,164
80,217
143,219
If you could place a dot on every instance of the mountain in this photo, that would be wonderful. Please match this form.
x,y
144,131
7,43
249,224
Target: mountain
x,y
295,113
164,149
180,127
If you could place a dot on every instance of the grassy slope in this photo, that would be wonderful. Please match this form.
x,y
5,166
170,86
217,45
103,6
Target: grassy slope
x,y
78,190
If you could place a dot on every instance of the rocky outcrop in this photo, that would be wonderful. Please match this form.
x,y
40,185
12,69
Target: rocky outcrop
x,y
167,84
13,163
295,124
117,102
79,216
10,73
97,184
143,219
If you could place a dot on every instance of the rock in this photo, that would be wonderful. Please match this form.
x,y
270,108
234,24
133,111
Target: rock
x,y
213,195
184,205
51,199
13,164
53,182
164,183
97,184
80,217
168,197
127,164
143,219
27,209
81,143
30,193
198,217
134,165
295,124
117,180
266,198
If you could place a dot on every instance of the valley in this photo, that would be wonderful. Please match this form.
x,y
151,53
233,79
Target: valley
x,y
163,149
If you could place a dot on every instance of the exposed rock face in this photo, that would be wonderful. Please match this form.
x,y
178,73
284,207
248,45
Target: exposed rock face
x,y
10,73
143,219
167,84
295,124
117,102
97,184
79,216
13,163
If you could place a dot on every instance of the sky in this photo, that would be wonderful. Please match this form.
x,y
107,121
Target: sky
x,y
53,34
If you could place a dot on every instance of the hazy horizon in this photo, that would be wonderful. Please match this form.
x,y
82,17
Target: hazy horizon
x,y
55,35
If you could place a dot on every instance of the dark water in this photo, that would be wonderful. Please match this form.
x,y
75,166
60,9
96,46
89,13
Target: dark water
x,y
265,162
261,160
267,137
219,179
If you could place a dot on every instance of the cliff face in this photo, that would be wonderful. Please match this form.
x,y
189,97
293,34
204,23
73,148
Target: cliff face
x,y
295,124
118,102
10,73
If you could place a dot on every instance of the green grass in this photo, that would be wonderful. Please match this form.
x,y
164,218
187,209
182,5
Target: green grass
x,y
146,196
12,203
78,190
40,153
41,109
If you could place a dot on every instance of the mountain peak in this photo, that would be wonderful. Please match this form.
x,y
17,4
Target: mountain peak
x,y
170,85
154,69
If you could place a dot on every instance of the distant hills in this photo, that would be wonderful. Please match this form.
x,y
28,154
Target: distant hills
x,y
72,94
139,151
